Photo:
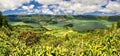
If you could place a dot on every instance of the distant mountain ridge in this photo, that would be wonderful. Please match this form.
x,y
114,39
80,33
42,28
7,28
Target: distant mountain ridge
x,y
82,17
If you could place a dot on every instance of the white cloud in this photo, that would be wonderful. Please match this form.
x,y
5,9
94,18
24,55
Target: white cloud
x,y
11,4
28,7
48,1
105,10
100,2
45,10
25,7
114,6
79,6
31,6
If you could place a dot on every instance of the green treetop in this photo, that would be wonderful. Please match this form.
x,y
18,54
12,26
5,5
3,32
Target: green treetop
x,y
3,21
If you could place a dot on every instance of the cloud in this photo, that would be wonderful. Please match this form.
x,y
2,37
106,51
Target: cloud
x,y
48,1
28,7
62,6
91,2
11,4
112,7
79,6
105,10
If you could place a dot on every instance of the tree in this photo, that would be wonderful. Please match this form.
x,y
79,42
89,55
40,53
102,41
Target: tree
x,y
118,24
3,21
69,16
0,13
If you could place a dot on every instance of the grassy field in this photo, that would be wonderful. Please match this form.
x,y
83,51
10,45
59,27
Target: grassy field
x,y
83,25
79,25
22,23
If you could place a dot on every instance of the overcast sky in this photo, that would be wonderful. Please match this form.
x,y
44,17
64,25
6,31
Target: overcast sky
x,y
58,7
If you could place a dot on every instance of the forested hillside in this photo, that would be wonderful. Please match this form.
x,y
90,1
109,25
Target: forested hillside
x,y
79,22
35,18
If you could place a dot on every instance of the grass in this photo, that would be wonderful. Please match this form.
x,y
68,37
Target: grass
x,y
63,42
22,23
83,25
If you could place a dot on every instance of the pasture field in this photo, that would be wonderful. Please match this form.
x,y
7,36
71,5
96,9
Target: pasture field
x,y
83,25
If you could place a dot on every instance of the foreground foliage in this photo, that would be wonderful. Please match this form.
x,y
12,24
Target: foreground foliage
x,y
65,42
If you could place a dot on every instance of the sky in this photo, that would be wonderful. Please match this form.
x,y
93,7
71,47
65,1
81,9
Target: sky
x,y
60,7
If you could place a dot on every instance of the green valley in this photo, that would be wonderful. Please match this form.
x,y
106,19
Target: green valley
x,y
50,35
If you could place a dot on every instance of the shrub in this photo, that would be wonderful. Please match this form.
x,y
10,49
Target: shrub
x,y
118,24
29,37
3,21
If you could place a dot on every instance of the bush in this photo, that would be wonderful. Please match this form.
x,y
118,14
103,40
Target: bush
x,y
3,21
29,37
118,24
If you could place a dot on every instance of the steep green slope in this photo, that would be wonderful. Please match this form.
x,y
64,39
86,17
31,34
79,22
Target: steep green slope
x,y
65,42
